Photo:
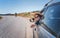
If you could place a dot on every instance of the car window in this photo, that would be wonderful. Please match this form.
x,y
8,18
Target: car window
x,y
52,18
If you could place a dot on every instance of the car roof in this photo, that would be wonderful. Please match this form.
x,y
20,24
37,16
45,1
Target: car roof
x,y
57,3
53,1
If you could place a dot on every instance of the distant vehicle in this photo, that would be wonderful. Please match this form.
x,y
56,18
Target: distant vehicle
x,y
51,26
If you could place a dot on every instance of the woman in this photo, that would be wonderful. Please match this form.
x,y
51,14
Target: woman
x,y
37,20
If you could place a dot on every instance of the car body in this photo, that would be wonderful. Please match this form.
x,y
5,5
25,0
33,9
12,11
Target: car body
x,y
51,22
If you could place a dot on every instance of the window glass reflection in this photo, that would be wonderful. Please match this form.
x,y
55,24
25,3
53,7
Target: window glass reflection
x,y
52,18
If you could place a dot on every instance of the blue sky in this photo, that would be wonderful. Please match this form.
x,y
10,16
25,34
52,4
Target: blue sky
x,y
12,6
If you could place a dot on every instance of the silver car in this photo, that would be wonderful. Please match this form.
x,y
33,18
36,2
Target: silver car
x,y
50,28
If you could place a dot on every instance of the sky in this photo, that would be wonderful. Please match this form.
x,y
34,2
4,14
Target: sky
x,y
19,6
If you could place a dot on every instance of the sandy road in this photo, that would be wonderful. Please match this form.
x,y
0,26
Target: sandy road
x,y
15,27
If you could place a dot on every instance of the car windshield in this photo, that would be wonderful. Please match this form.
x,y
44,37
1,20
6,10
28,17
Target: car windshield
x,y
52,18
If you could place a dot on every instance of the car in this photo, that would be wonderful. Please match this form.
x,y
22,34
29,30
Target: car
x,y
50,28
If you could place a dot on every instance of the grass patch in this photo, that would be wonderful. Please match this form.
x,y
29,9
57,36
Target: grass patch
x,y
28,14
